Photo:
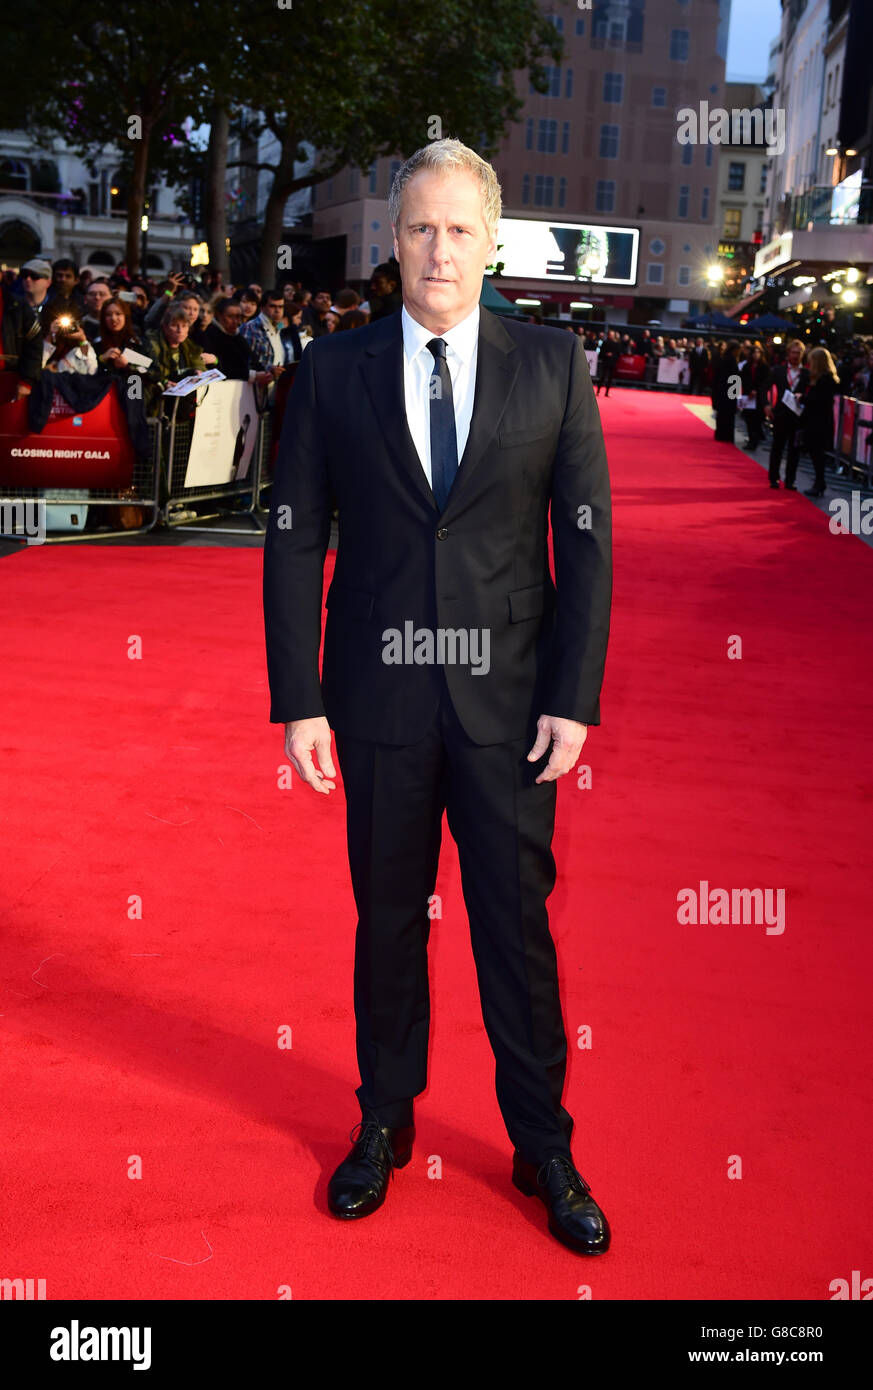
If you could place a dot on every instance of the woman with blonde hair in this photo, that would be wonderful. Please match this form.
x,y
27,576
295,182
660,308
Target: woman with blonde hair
x,y
817,419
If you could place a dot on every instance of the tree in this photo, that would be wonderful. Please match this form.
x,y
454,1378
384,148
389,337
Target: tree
x,y
400,73
111,75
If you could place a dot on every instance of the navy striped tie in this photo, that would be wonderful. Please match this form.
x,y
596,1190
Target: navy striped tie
x,y
443,439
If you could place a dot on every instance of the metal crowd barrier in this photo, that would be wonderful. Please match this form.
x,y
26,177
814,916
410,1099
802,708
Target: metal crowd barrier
x,y
17,504
853,434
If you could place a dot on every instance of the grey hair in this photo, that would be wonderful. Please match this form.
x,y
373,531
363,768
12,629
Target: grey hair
x,y
175,310
449,157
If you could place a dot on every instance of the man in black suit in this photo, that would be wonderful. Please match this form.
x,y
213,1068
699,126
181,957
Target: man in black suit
x,y
787,376
456,675
610,352
698,361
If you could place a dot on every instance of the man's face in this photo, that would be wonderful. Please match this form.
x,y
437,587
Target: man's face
x,y
274,309
35,286
64,280
142,299
97,295
794,354
442,246
321,302
231,318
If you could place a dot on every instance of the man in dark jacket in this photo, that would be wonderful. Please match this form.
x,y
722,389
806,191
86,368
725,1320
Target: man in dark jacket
x,y
21,341
224,339
790,377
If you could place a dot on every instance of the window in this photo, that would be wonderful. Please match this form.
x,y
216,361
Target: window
x,y
659,96
684,195
708,160
557,21
395,165
655,274
617,31
553,77
568,83
525,189
704,205
613,88
687,154
354,182
733,221
565,138
544,191
736,178
763,185
684,276
580,28
562,193
605,195
374,255
547,137
657,247
373,177
528,133
609,135
356,255
680,40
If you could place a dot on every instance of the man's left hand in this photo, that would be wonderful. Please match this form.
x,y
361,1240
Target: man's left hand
x,y
566,738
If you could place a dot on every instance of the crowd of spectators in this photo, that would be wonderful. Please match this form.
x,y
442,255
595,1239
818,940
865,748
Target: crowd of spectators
x,y
748,379
56,318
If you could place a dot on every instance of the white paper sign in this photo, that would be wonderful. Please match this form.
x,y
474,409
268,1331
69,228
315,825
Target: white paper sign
x,y
225,429
790,400
672,371
191,383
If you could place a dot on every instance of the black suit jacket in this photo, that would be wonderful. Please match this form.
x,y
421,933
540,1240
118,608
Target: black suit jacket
x,y
779,378
535,445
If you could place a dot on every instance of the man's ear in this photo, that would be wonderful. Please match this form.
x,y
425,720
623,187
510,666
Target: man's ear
x,y
396,247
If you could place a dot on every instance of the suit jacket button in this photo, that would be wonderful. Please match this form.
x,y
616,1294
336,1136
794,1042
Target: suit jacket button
x,y
442,533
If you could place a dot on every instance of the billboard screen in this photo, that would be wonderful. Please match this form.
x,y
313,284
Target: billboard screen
x,y
570,251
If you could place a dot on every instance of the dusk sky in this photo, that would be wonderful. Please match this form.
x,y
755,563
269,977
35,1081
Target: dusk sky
x,y
754,25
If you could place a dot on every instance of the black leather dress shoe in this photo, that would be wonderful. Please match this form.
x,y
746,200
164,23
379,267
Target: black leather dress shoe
x,y
360,1183
574,1216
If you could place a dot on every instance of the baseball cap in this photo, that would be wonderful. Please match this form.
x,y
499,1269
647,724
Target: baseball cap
x,y
38,267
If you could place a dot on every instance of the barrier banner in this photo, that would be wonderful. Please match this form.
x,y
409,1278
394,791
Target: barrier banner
x,y
862,443
630,368
848,430
91,450
672,371
224,434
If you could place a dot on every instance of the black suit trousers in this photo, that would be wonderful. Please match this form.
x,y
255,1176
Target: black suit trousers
x,y
785,432
502,823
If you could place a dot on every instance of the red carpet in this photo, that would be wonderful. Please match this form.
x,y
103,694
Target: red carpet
x,y
711,1044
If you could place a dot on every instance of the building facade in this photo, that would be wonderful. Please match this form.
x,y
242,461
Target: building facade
x,y
52,204
599,149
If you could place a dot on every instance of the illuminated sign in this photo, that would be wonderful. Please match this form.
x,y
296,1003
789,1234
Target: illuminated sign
x,y
775,253
572,251
846,200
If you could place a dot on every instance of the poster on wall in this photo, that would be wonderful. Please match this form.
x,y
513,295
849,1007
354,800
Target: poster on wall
x,y
223,439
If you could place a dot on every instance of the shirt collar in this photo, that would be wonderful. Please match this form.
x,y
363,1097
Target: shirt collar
x,y
461,339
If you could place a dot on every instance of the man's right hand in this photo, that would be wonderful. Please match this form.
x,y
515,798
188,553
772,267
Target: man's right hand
x,y
302,737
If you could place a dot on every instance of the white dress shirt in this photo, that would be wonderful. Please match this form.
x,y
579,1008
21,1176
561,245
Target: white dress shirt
x,y
462,350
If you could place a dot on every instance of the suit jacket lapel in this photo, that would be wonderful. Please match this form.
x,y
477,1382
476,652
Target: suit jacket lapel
x,y
496,370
